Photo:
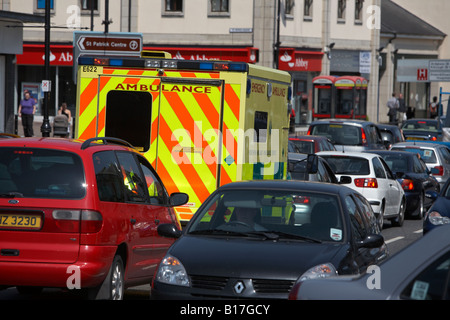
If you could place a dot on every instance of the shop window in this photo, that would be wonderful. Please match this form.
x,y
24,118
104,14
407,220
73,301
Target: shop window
x,y
133,125
172,7
308,10
342,5
358,11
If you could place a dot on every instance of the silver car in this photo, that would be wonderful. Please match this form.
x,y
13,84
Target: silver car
x,y
349,134
434,154
418,272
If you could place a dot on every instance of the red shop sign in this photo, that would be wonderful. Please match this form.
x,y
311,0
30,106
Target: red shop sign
x,y
246,54
293,60
34,54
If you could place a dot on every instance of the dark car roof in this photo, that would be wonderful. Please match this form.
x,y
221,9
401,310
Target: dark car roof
x,y
307,138
286,184
343,121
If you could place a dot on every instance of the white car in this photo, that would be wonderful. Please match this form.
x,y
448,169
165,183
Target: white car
x,y
371,176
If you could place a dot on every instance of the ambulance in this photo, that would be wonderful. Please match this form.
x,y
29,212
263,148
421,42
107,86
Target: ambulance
x,y
201,124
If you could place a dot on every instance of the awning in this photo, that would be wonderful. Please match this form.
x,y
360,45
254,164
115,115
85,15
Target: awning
x,y
300,60
34,54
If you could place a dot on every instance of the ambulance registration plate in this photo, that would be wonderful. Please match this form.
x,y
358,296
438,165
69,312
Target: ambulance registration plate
x,y
9,220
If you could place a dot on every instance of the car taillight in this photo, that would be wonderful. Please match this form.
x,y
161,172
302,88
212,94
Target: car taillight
x,y
441,171
74,221
66,220
91,221
433,139
363,137
407,185
366,183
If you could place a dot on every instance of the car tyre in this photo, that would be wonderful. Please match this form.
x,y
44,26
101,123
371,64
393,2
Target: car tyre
x,y
380,217
420,211
112,287
398,222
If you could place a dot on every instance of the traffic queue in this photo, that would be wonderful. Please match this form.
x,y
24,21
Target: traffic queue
x,y
183,176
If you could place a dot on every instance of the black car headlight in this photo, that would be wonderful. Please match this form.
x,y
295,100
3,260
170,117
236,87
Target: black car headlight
x,y
171,271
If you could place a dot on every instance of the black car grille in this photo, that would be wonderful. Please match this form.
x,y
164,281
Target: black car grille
x,y
209,283
272,286
259,285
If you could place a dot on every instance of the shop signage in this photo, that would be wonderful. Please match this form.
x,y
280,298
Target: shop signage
x,y
294,60
34,54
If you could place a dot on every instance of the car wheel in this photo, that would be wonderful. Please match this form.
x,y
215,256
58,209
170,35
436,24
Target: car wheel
x,y
112,287
398,222
421,208
380,218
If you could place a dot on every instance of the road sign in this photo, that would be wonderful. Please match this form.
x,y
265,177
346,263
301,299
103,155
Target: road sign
x,y
99,43
46,86
110,44
439,70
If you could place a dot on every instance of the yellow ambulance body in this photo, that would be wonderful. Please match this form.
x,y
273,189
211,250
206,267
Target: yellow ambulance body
x,y
201,124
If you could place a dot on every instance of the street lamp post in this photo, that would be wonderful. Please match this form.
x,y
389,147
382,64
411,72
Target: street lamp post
x,y
46,128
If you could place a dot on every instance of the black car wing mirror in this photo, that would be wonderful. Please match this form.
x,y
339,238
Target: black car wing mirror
x,y
371,241
178,199
169,230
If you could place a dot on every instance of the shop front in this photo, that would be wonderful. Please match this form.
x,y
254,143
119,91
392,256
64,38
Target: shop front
x,y
303,66
31,72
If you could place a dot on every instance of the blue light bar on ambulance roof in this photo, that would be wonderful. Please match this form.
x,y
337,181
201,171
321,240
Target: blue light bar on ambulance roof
x,y
163,63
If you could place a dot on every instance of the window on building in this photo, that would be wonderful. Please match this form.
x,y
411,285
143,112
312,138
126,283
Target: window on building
x,y
358,11
89,5
307,9
41,5
219,6
342,5
174,5
289,7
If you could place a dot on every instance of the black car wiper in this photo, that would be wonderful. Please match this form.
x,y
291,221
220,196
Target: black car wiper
x,y
219,232
11,195
276,235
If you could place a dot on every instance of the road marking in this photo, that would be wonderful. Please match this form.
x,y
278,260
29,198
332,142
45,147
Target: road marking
x,y
418,231
393,239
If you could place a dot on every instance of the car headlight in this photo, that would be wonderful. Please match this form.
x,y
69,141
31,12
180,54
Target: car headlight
x,y
435,218
171,271
323,270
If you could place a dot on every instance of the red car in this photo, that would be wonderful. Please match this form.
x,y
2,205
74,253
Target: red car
x,y
80,215
311,144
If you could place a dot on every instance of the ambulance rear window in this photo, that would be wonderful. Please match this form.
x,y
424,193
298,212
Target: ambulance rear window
x,y
128,117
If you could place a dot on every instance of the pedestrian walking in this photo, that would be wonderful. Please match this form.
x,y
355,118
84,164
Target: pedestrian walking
x,y
393,106
27,109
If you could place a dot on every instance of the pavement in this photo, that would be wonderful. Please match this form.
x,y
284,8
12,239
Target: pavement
x,y
37,124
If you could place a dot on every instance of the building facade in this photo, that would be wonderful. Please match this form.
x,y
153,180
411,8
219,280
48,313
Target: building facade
x,y
304,37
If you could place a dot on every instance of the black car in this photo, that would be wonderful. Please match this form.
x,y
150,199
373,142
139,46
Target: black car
x,y
415,178
254,239
422,129
391,134
439,213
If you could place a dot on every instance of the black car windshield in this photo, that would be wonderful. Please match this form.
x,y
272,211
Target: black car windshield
x,y
348,165
41,173
338,133
276,214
